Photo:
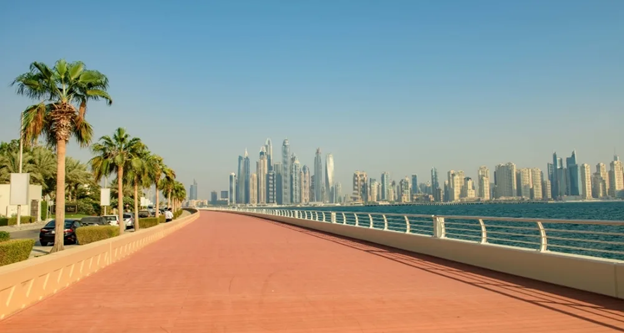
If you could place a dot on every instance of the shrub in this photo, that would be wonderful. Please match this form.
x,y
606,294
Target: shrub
x,y
96,233
177,213
161,218
4,236
15,250
13,220
148,222
44,210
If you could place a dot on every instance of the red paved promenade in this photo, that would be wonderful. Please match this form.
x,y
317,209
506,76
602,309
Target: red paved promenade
x,y
229,273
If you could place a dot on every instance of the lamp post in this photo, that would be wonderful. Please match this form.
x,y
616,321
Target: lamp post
x,y
21,149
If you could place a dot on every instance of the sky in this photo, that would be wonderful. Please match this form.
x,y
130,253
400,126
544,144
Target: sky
x,y
399,86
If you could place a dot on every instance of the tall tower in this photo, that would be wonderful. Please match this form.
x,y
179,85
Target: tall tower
x,y
262,171
295,181
505,180
385,186
269,153
329,179
233,185
360,182
253,189
305,184
318,177
586,186
240,181
286,172
247,174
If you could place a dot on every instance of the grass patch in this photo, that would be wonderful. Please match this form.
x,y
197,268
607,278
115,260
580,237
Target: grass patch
x,y
15,250
75,216
4,236
96,233
148,222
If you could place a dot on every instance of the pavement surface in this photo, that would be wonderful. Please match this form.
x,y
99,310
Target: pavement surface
x,y
232,273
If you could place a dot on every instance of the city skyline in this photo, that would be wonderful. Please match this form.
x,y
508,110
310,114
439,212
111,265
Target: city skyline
x,y
450,84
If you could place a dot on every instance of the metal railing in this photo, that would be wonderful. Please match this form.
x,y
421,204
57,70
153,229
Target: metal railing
x,y
595,238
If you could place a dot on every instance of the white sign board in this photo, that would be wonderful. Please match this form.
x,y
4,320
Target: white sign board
x,y
19,188
105,197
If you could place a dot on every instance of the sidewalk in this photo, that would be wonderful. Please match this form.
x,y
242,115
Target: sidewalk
x,y
24,226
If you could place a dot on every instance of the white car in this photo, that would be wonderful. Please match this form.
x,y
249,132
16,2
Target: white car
x,y
112,219
129,220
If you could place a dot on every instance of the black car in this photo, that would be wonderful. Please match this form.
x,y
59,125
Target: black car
x,y
47,233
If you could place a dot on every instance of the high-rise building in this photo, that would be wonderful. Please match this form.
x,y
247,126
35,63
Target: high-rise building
x,y
523,183
338,191
269,154
295,181
546,190
573,176
247,172
505,180
483,179
305,184
404,190
233,188
435,185
455,183
277,169
240,181
385,186
253,189
193,191
375,190
318,177
329,179
271,190
601,170
616,178
225,195
586,177
213,197
262,170
286,172
468,189
360,193
415,188
537,192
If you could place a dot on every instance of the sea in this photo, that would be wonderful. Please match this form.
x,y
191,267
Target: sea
x,y
605,241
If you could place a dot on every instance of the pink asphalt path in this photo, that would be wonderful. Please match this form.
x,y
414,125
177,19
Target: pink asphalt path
x,y
232,273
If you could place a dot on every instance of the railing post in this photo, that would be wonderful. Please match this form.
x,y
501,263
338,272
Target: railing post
x,y
438,227
544,239
385,222
333,217
370,218
315,216
323,216
407,224
344,218
296,214
357,223
483,232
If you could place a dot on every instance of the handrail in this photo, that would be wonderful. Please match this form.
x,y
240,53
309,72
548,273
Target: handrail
x,y
594,238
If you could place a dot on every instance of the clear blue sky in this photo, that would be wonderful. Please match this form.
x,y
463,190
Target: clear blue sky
x,y
399,86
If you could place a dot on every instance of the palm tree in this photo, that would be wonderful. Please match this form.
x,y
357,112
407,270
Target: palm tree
x,y
75,176
138,176
56,118
155,172
167,184
179,194
113,155
43,169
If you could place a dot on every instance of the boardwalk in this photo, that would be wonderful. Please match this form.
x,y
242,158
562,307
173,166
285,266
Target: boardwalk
x,y
229,273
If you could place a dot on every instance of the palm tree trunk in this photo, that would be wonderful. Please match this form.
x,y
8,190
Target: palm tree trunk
x,y
157,201
59,237
120,204
169,199
136,205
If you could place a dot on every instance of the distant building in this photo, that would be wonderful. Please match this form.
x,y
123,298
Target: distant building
x,y
213,197
233,188
224,195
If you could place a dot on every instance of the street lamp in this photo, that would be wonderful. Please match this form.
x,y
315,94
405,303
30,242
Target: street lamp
x,y
21,151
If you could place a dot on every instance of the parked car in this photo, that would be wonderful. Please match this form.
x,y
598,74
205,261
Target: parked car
x,y
47,233
94,220
112,219
144,214
128,220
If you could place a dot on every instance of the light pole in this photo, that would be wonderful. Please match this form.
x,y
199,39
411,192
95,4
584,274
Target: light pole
x,y
21,149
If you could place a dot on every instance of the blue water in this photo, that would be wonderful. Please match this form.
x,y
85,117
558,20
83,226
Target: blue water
x,y
591,240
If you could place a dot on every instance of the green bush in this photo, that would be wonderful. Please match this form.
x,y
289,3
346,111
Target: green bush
x,y
177,213
4,236
147,222
13,220
96,233
15,250
161,218
44,210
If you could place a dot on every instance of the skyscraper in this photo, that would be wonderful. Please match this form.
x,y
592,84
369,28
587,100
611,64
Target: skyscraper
x,y
338,191
329,179
213,197
505,180
574,175
247,174
286,172
385,186
295,181
305,184
277,170
318,176
240,181
435,185
360,182
484,183
271,188
269,153
616,178
253,189
262,170
586,186
233,186
414,185
193,191
537,193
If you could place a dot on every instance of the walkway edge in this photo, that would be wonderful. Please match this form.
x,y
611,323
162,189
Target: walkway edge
x,y
600,276
28,282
